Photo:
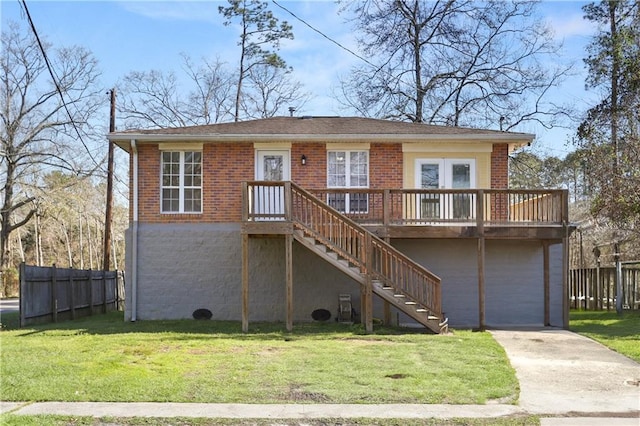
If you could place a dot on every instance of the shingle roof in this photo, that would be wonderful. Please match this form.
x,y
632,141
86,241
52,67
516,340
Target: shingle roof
x,y
318,129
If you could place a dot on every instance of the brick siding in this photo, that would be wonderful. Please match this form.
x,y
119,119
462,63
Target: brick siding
x,y
500,166
226,166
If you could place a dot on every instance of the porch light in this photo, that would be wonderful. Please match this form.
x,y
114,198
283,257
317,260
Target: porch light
x,y
303,160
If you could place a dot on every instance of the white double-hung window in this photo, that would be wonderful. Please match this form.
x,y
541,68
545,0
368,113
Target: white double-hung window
x,y
348,169
181,185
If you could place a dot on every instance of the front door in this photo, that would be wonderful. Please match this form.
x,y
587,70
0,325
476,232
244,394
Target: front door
x,y
271,165
446,173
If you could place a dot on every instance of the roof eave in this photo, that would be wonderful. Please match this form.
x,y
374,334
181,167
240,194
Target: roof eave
x,y
517,139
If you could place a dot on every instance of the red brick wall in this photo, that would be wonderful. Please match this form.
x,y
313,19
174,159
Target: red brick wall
x,y
226,166
500,166
385,166
313,175
499,180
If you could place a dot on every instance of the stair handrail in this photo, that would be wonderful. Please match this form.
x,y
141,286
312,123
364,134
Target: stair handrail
x,y
377,258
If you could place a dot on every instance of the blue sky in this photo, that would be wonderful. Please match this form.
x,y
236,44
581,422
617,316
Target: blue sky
x,y
143,35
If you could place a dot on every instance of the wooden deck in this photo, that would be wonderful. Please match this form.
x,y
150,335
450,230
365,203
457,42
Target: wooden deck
x,y
352,229
416,213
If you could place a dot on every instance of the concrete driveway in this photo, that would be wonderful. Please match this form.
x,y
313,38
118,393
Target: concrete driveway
x,y
561,372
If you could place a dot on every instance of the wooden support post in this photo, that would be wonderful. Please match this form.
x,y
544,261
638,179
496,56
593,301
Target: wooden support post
x,y
386,311
289,279
245,202
545,254
288,209
386,307
368,289
245,283
481,284
368,305
481,259
386,208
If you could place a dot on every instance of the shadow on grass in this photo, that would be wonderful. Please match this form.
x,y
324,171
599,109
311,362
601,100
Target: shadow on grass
x,y
114,323
606,323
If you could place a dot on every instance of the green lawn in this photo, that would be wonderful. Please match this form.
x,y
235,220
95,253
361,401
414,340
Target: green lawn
x,y
618,332
104,358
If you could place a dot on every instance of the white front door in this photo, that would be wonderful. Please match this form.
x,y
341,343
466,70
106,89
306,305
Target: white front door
x,y
446,173
271,165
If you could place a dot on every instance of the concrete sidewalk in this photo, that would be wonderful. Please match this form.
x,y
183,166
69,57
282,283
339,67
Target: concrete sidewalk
x,y
570,378
265,411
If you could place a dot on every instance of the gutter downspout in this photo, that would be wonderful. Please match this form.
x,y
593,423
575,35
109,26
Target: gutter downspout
x,y
134,236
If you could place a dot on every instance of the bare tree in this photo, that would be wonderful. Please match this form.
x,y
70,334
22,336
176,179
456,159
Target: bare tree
x,y
151,99
204,95
270,91
259,31
165,99
454,62
211,99
40,130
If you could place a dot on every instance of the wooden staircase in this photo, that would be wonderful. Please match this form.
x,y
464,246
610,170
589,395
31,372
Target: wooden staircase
x,y
370,261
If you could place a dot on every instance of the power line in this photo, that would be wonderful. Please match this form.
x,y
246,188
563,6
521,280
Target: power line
x,y
341,46
55,80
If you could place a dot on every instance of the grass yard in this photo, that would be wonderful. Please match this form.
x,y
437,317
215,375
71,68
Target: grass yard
x,y
618,332
103,358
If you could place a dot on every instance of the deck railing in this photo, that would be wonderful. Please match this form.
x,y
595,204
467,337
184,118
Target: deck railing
x,y
268,201
381,261
497,207
442,206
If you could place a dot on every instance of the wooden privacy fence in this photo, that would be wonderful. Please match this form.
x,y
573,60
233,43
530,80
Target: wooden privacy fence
x,y
595,288
51,294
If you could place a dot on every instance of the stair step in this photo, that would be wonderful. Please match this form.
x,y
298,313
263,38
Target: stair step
x,y
431,317
409,302
399,296
421,310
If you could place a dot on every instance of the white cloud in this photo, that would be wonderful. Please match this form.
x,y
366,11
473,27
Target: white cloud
x,y
175,10
572,25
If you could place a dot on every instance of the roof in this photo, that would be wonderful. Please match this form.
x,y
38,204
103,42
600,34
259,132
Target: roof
x,y
313,129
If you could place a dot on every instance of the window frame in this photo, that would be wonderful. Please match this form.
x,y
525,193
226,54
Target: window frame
x,y
182,188
344,204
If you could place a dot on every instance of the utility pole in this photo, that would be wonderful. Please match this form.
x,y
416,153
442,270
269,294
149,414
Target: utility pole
x,y
106,249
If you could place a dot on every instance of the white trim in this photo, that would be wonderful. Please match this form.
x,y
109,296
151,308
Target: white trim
x,y
337,146
134,234
348,167
347,174
191,146
418,170
181,186
519,139
465,147
446,175
286,172
445,202
272,146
